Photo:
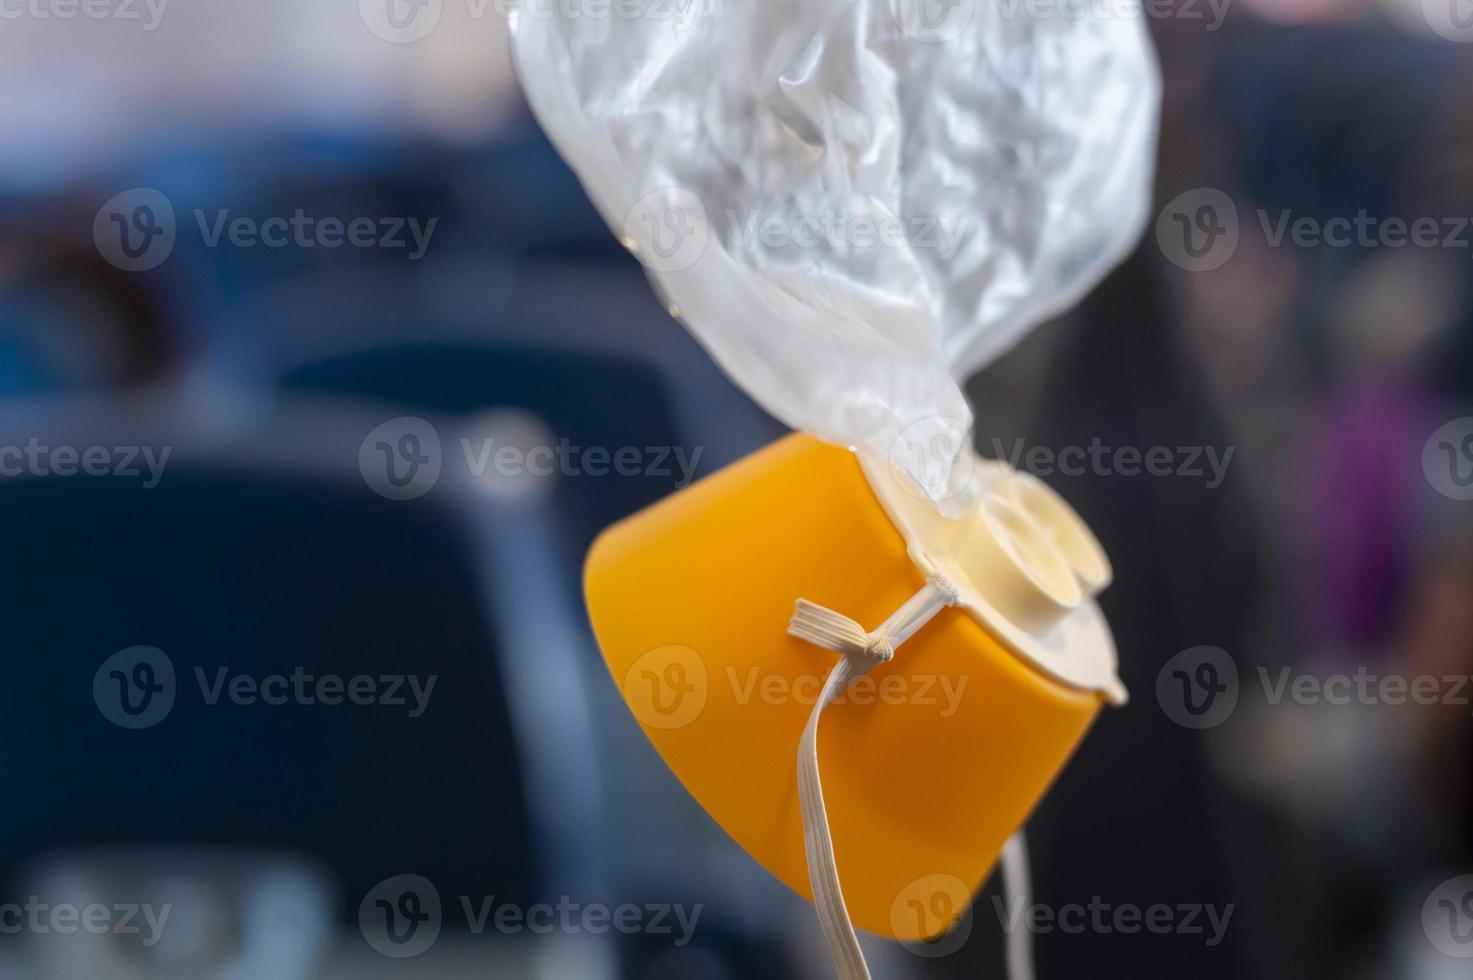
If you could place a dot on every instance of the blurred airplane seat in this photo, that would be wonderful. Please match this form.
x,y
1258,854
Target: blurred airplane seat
x,y
590,399
254,572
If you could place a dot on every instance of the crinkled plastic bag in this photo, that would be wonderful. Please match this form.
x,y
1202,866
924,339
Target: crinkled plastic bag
x,y
855,203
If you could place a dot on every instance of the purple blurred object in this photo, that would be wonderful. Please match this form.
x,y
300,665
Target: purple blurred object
x,y
1357,511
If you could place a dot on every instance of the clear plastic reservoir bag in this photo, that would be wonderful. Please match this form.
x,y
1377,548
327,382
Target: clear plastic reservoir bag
x,y
853,204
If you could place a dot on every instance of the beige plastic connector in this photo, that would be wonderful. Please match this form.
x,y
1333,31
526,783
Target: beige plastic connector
x,y
1027,579
1024,563
1064,528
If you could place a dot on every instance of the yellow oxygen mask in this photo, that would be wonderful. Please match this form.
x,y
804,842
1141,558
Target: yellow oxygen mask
x,y
983,660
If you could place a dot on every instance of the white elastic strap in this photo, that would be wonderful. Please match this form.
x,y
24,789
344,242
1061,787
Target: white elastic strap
x,y
862,652
1016,891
